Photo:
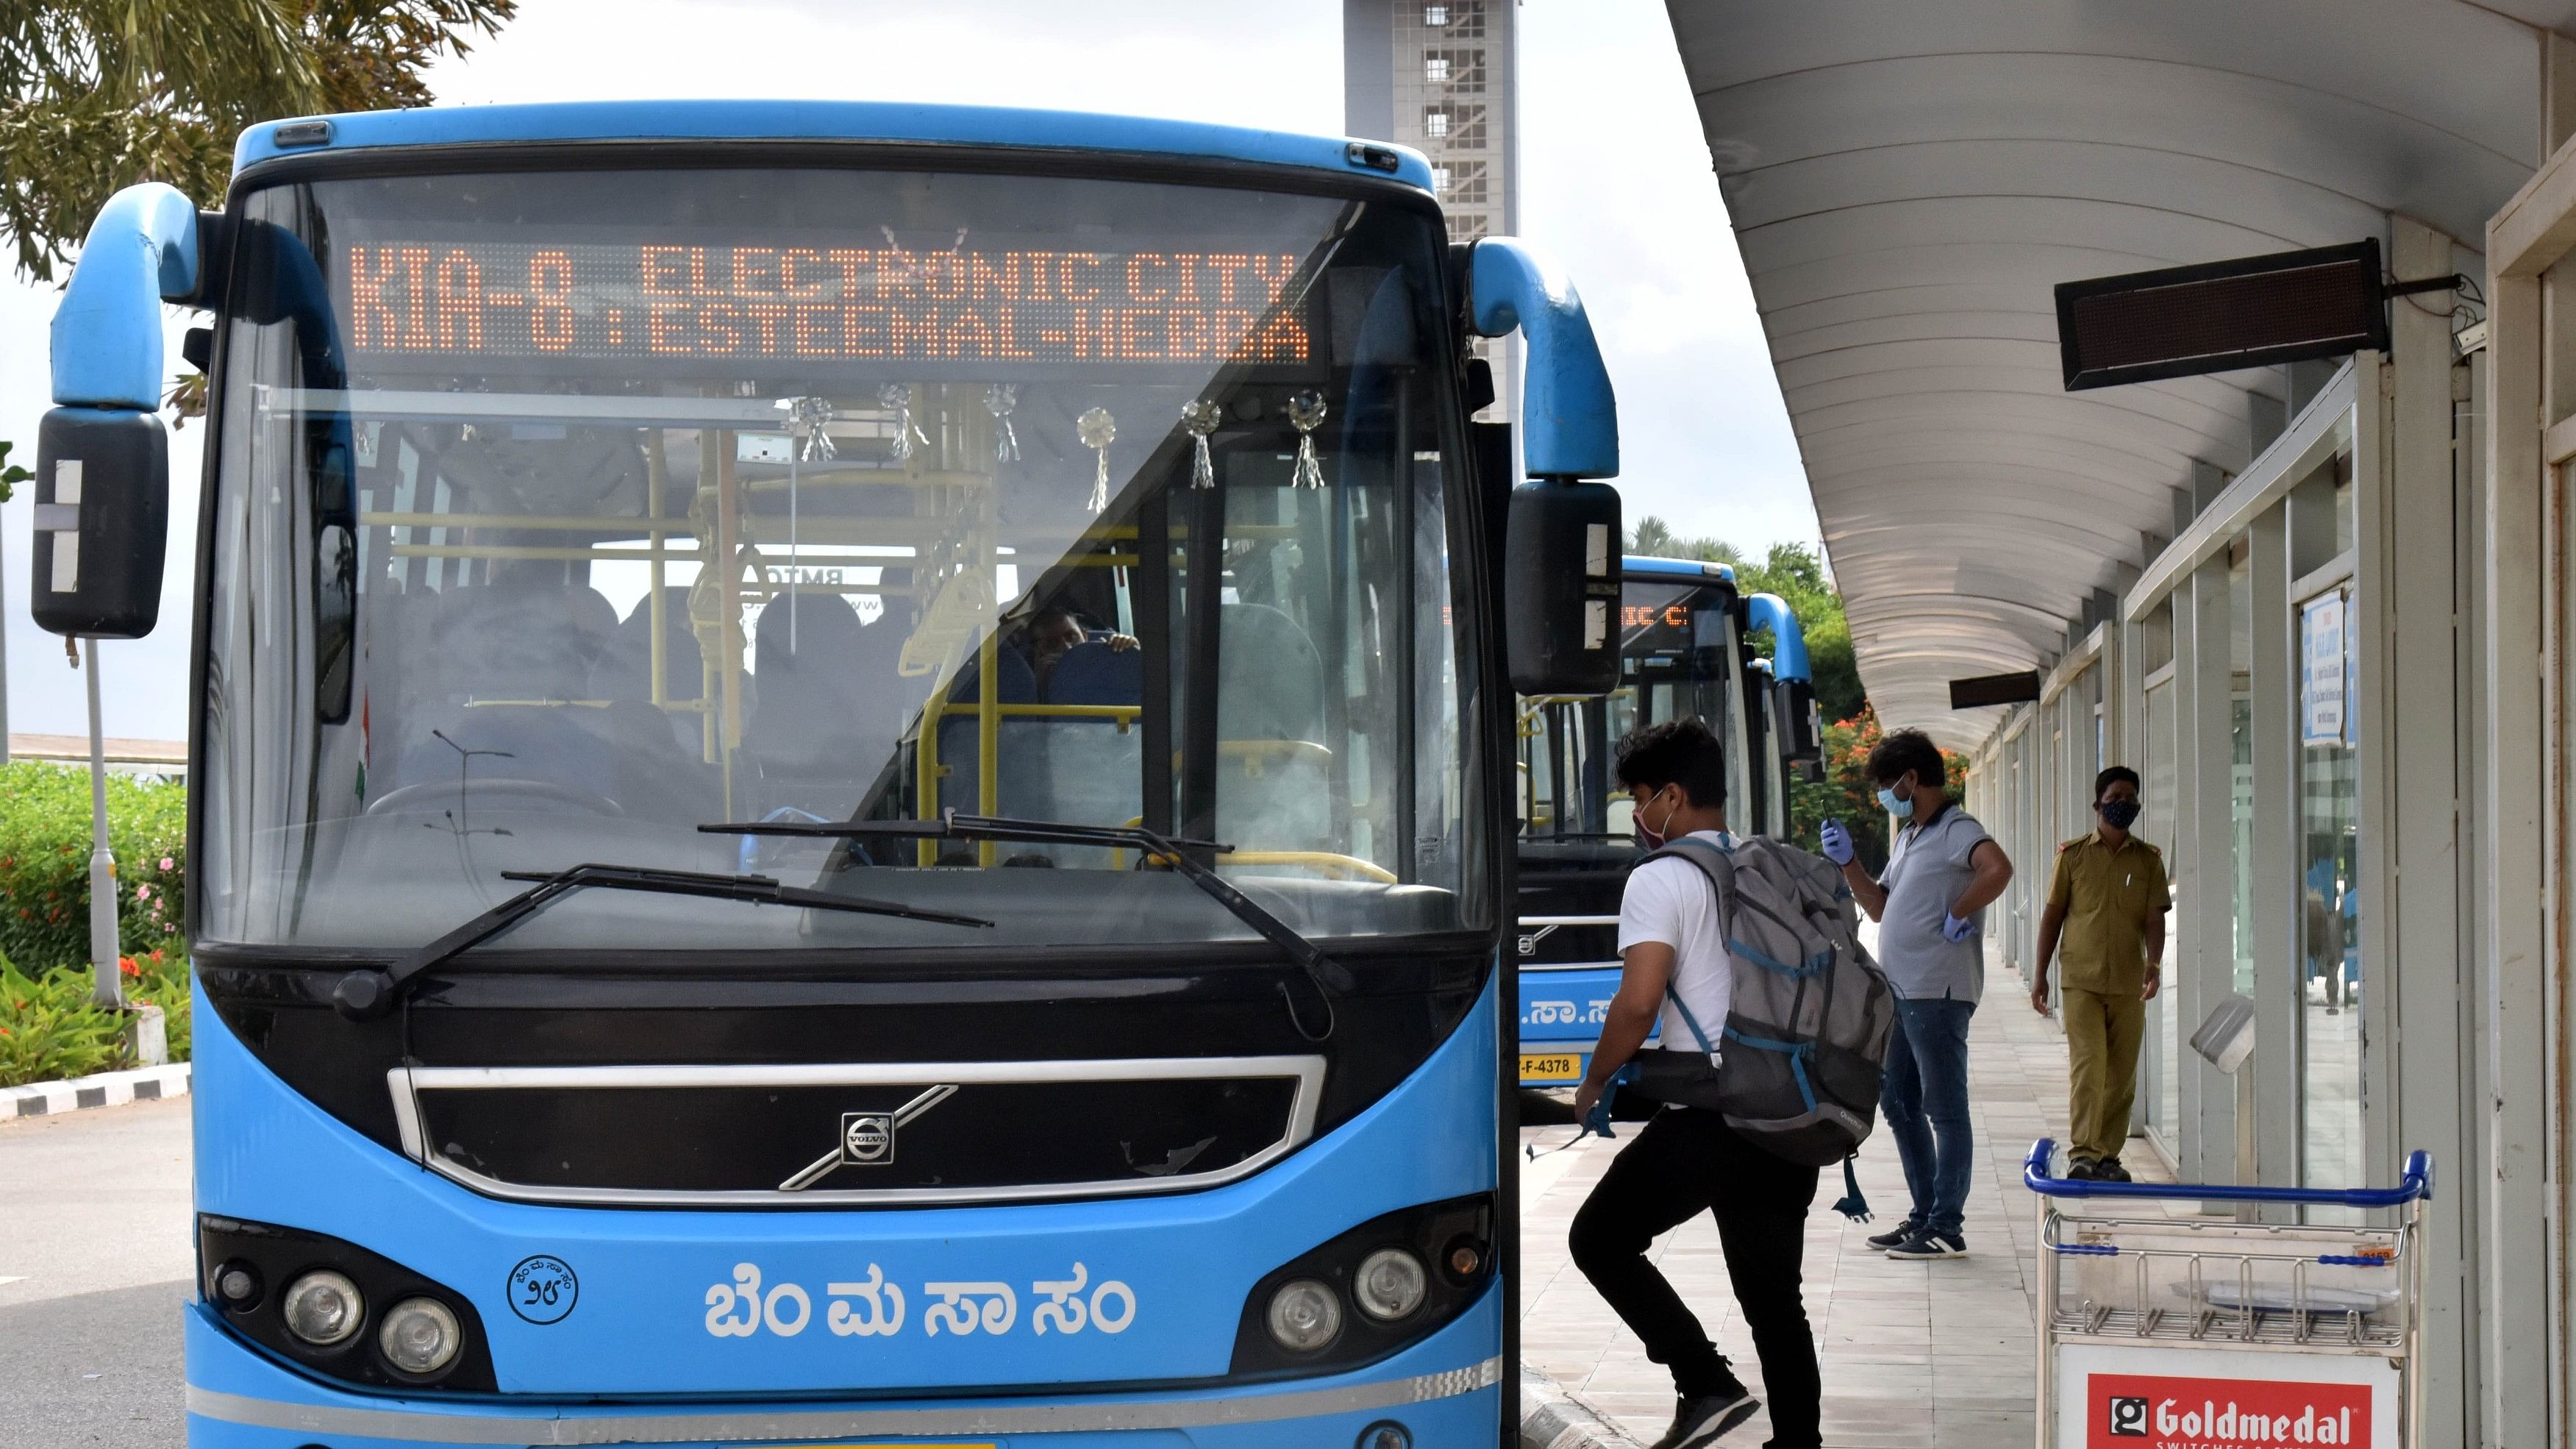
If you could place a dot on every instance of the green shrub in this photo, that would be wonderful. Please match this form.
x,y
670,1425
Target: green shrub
x,y
44,864
48,1029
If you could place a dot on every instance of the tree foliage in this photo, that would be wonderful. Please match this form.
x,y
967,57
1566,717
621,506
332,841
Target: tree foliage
x,y
1654,538
1849,795
96,95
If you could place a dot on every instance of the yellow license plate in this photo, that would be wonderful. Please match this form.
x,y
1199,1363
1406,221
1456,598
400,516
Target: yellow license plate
x,y
1551,1067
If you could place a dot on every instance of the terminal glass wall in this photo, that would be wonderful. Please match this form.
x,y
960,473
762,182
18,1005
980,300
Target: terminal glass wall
x,y
2156,824
2329,980
2240,770
2292,896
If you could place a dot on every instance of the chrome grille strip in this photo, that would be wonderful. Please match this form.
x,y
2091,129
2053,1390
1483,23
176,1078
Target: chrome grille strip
x,y
405,1083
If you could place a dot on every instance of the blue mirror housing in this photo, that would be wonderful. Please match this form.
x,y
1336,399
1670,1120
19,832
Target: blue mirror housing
x,y
102,458
1569,416
141,251
1789,646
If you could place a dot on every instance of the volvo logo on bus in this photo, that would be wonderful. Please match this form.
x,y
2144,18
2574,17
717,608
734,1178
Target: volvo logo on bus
x,y
867,1137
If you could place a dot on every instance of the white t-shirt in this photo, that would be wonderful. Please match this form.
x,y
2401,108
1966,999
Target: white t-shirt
x,y
1670,901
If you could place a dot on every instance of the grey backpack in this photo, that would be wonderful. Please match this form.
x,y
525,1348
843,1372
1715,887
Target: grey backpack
x,y
1807,1026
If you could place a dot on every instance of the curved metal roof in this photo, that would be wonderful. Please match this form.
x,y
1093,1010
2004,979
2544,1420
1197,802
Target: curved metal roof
x,y
1908,180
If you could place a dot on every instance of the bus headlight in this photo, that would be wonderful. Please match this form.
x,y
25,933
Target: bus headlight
x,y
334,1308
1305,1316
323,1308
420,1336
1390,1284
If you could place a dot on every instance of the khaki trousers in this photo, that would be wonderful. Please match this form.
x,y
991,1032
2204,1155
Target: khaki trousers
x,y
2102,1032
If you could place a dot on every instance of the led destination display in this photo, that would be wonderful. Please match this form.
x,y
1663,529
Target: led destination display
x,y
478,302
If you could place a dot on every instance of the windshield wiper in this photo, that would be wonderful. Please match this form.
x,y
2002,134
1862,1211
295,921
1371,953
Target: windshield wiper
x,y
370,992
1328,976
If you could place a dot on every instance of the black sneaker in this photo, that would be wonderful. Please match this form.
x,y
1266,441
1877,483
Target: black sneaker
x,y
2082,1169
1901,1233
2111,1171
1703,1420
1929,1245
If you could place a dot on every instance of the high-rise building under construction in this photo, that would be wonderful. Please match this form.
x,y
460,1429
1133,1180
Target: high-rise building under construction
x,y
1443,79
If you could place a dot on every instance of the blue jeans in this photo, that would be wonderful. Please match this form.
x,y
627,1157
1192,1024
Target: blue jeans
x,y
1925,1097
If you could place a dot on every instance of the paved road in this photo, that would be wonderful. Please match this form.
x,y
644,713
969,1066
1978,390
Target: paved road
x,y
94,1263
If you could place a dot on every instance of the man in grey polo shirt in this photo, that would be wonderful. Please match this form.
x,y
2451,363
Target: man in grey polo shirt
x,y
1941,872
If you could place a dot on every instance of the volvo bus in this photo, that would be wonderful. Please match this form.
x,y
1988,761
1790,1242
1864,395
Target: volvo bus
x,y
848,772
1685,648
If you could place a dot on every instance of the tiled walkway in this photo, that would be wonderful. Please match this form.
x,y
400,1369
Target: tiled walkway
x,y
1917,1355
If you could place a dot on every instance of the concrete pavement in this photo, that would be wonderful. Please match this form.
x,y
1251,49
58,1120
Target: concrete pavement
x,y
94,1262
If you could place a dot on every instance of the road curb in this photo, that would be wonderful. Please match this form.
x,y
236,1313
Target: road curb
x,y
105,1089
1552,1418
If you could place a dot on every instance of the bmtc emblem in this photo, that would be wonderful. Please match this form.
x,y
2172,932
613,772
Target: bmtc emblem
x,y
867,1138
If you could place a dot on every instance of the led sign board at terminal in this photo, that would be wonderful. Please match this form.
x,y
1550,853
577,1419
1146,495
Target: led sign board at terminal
x,y
474,303
2220,316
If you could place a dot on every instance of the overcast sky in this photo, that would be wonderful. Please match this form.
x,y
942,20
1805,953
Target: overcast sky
x,y
1616,182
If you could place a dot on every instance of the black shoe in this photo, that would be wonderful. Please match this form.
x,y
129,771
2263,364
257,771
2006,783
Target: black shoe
x,y
1930,1245
2111,1171
2082,1169
1902,1232
1705,1419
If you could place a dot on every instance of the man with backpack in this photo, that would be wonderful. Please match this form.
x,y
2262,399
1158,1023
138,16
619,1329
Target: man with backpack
x,y
1678,972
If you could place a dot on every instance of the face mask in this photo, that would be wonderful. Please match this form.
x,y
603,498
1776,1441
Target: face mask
x,y
1647,835
1901,809
2119,814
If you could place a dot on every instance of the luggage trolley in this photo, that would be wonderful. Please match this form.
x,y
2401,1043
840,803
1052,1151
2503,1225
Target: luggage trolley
x,y
2189,1333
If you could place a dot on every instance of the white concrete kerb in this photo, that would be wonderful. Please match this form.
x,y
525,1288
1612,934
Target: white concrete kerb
x,y
1552,1418
106,1089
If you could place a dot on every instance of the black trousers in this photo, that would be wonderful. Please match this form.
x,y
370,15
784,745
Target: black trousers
x,y
1683,1163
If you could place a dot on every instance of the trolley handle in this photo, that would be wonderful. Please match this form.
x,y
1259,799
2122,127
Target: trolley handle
x,y
2416,1183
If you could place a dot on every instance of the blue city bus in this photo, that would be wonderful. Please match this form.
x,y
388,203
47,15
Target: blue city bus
x,y
1684,649
848,783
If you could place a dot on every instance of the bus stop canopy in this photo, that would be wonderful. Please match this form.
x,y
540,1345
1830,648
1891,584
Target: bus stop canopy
x,y
1908,181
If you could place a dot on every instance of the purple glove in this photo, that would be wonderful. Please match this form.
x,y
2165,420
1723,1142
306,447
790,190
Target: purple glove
x,y
1836,841
1955,929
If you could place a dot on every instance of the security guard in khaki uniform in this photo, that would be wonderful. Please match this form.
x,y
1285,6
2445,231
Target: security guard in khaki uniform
x,y
2106,908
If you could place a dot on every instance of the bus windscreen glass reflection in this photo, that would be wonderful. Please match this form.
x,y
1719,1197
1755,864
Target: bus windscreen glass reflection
x,y
689,497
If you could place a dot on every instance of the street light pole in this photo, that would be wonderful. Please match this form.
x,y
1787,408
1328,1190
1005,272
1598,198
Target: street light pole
x,y
109,989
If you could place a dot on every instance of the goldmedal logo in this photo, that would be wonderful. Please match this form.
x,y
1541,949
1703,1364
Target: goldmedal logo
x,y
2138,1411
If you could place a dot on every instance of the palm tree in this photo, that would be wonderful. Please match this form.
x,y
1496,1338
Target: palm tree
x,y
96,95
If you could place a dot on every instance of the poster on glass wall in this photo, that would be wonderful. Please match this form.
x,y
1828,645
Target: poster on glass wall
x,y
2324,718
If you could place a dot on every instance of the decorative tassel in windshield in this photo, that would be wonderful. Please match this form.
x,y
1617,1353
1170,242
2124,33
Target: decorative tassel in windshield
x,y
1098,430
999,399
1199,418
806,417
908,439
1306,413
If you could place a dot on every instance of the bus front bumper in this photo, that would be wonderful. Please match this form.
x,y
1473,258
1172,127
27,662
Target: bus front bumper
x,y
1442,1395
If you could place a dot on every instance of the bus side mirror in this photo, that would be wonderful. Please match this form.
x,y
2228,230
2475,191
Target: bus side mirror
x,y
1561,551
1561,588
102,521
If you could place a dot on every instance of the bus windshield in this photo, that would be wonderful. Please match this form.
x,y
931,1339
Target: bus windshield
x,y
1678,657
559,512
